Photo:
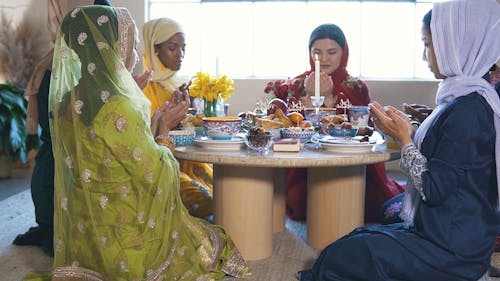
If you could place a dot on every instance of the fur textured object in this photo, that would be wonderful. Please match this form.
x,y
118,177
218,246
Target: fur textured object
x,y
21,47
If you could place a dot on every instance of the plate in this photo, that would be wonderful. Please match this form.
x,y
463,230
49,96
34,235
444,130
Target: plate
x,y
346,145
210,144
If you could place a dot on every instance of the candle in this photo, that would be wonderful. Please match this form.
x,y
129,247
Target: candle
x,y
217,66
316,76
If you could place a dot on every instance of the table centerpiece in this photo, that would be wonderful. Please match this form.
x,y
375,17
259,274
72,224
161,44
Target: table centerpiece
x,y
211,90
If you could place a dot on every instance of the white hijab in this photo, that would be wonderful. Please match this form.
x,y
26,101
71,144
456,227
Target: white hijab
x,y
466,41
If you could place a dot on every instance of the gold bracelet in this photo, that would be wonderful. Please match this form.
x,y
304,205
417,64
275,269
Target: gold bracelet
x,y
161,137
165,141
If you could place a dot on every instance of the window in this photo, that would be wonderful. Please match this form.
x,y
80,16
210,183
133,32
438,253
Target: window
x,y
270,38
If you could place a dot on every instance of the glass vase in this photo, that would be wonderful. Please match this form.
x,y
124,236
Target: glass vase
x,y
210,108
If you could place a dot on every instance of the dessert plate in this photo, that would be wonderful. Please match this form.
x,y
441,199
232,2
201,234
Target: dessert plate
x,y
235,143
346,145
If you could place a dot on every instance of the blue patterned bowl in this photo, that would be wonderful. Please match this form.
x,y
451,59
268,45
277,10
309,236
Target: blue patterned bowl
x,y
182,137
297,133
343,133
221,128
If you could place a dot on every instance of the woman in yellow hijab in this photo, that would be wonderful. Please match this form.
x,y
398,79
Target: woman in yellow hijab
x,y
164,48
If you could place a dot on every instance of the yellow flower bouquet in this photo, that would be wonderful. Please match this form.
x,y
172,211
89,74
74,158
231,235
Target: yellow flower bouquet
x,y
208,88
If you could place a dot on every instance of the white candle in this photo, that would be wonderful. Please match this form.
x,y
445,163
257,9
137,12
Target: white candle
x,y
217,66
316,76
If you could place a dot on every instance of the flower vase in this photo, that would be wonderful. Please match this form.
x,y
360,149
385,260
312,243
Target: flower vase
x,y
210,108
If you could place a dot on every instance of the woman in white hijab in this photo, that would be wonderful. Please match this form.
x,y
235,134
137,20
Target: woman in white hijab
x,y
451,216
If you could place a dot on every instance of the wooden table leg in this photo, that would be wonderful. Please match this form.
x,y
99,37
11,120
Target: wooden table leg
x,y
335,203
279,200
243,205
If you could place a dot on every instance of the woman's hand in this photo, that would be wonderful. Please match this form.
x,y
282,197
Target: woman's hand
x,y
325,84
181,95
170,114
392,122
142,80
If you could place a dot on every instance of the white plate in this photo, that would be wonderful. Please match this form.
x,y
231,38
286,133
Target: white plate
x,y
343,145
210,144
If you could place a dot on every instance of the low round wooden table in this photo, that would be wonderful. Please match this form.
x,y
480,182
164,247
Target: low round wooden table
x,y
249,193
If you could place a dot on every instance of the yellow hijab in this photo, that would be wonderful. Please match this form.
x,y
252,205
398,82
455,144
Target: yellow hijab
x,y
156,32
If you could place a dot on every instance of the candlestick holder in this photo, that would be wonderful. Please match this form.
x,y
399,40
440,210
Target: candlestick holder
x,y
317,102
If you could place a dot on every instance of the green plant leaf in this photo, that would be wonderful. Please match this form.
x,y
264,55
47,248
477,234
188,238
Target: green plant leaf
x,y
11,100
16,134
23,156
4,116
13,109
11,88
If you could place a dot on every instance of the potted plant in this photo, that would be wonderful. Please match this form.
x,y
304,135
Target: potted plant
x,y
13,137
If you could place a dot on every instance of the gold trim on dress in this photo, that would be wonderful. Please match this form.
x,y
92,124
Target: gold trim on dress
x,y
74,273
236,265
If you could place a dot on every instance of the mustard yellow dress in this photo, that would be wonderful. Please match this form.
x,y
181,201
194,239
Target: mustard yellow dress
x,y
196,177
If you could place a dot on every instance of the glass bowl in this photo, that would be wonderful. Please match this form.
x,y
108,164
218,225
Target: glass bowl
x,y
310,114
260,142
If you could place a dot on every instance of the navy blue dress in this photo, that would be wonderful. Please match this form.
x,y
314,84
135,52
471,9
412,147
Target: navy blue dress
x,y
455,229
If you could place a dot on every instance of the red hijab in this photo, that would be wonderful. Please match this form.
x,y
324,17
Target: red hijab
x,y
345,86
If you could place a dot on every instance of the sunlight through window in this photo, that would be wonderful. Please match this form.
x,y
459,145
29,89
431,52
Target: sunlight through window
x,y
270,38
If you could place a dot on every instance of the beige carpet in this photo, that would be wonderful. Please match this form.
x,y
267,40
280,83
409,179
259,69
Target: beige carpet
x,y
290,252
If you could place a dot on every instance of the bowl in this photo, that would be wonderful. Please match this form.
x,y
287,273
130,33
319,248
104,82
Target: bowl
x,y
342,132
359,115
260,143
297,133
221,128
200,131
182,137
310,114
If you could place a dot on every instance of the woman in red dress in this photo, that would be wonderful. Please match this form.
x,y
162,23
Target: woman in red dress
x,y
328,42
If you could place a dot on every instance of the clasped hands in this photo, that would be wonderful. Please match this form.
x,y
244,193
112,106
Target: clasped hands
x,y
325,85
393,123
171,113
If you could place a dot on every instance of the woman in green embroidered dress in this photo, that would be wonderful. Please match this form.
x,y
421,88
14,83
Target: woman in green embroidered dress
x,y
118,213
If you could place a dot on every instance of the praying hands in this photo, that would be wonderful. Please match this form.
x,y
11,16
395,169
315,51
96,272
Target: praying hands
x,y
392,122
